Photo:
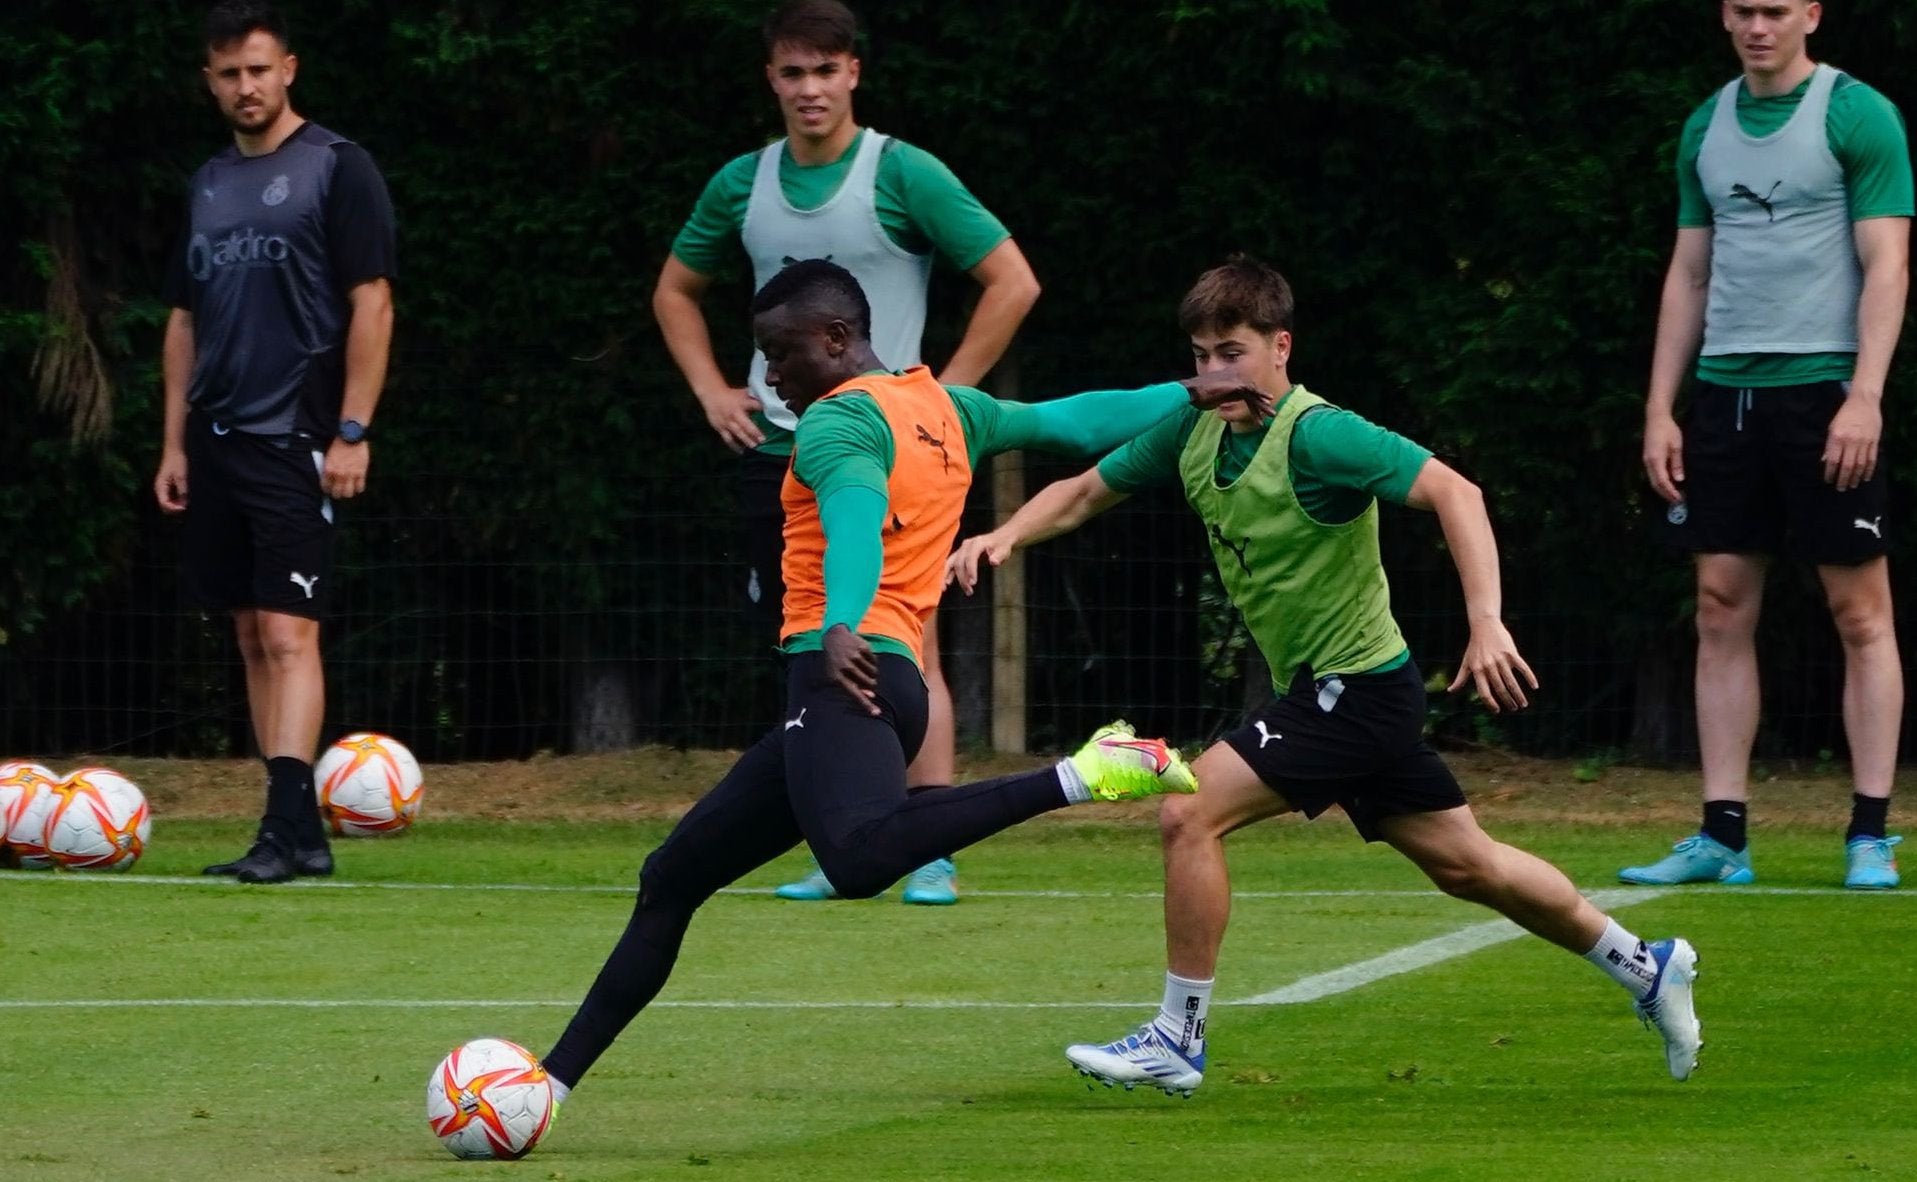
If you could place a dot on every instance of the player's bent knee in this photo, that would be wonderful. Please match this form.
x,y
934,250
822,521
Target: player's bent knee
x,y
664,881
1179,820
854,874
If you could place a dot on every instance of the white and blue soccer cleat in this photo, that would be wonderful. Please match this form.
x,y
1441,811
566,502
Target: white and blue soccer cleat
x,y
1143,1057
1870,866
1668,1007
1695,859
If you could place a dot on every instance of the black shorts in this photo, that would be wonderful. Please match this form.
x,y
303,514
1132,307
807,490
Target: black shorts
x,y
259,529
1355,740
762,520
1754,479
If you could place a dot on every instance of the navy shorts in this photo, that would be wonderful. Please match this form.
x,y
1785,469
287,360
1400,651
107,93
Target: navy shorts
x,y
1754,479
259,529
1355,740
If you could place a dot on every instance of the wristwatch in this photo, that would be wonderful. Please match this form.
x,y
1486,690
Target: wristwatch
x,y
352,431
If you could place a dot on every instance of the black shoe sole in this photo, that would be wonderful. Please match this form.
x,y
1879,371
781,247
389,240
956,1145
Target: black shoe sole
x,y
265,880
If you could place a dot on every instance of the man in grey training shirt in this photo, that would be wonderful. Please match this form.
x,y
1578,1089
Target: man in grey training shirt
x,y
273,359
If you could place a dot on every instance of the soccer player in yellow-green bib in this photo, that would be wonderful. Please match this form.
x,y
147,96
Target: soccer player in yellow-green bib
x,y
1784,300
880,208
1290,505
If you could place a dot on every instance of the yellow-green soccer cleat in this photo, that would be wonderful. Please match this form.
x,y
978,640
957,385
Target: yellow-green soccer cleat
x,y
1118,765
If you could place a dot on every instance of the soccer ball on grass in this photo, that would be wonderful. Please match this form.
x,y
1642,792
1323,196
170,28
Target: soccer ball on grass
x,y
368,785
489,1099
26,793
97,820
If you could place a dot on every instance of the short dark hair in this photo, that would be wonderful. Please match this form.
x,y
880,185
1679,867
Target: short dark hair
x,y
824,289
235,20
1241,290
823,26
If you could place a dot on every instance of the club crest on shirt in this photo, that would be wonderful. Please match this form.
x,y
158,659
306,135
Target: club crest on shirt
x,y
277,191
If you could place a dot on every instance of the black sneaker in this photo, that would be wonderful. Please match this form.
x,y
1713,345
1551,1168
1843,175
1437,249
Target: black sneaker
x,y
267,861
313,863
229,869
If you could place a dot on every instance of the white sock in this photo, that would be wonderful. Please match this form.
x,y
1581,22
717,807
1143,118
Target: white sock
x,y
1181,1016
559,1091
1074,784
1625,958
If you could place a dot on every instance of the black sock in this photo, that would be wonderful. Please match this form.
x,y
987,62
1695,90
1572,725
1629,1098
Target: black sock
x,y
311,828
1868,816
288,782
1724,823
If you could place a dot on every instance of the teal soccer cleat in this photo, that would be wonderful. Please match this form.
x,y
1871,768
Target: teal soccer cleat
x,y
810,889
932,885
1695,859
1871,865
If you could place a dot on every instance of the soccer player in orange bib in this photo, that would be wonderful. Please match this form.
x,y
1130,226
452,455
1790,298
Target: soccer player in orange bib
x,y
872,501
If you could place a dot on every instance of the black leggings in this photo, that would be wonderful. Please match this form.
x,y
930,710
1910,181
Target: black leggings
x,y
831,775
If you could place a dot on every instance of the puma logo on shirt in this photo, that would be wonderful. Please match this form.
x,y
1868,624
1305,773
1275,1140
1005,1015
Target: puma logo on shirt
x,y
1744,192
1237,551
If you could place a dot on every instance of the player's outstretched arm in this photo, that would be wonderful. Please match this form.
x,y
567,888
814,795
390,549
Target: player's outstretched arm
x,y
675,304
1097,421
1491,661
1059,508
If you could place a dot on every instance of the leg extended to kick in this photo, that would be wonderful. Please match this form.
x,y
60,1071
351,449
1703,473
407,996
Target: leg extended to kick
x,y
1463,861
739,826
845,772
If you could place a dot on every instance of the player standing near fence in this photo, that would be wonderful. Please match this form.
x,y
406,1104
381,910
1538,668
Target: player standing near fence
x,y
880,208
1289,501
274,357
1786,288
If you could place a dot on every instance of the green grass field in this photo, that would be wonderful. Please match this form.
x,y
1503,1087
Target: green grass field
x,y
286,1032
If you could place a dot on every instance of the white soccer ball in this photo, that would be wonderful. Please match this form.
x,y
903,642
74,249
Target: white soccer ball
x,y
26,793
98,820
368,785
489,1099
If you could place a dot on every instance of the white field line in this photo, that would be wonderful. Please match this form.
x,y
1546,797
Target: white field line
x,y
324,1003
333,884
1423,954
1312,988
